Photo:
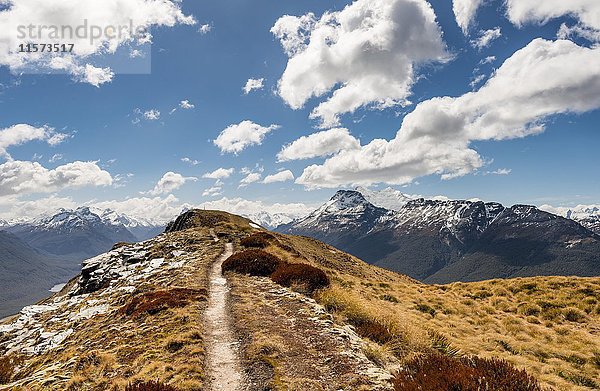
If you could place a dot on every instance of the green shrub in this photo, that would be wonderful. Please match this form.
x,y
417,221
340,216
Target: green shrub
x,y
442,373
308,277
252,262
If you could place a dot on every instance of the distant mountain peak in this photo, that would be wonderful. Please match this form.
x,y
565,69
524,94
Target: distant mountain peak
x,y
387,198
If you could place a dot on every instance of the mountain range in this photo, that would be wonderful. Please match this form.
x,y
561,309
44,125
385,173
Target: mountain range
x,y
82,233
441,241
219,303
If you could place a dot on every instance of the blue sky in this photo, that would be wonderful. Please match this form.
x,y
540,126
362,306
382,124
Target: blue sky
x,y
106,124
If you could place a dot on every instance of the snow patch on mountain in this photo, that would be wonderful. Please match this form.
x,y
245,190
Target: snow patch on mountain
x,y
586,215
388,198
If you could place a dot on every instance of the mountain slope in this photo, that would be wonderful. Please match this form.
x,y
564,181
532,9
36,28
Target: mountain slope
x,y
137,314
26,275
444,241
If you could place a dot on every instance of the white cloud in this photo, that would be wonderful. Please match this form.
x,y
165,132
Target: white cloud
x,y
220,173
319,144
192,162
487,60
156,209
521,12
22,133
213,191
245,207
152,115
235,138
250,178
23,177
476,80
94,75
543,79
171,181
205,28
11,207
464,11
253,84
64,15
186,105
282,176
55,158
568,32
486,37
500,171
365,53
574,212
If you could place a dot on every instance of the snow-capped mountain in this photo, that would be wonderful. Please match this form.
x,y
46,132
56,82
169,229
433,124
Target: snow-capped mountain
x,y
74,234
141,228
453,240
270,220
388,198
586,215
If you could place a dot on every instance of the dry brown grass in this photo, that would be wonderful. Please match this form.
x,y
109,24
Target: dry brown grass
x,y
8,365
151,303
546,325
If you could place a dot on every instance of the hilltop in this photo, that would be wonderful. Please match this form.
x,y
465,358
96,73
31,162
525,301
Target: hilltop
x,y
299,315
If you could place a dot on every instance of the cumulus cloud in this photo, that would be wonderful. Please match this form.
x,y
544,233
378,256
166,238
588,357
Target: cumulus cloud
x,y
543,79
282,176
319,144
366,54
156,209
152,115
249,208
253,84
171,181
568,32
250,178
464,12
22,133
486,37
186,105
23,177
235,138
220,173
12,207
521,12
107,17
205,28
